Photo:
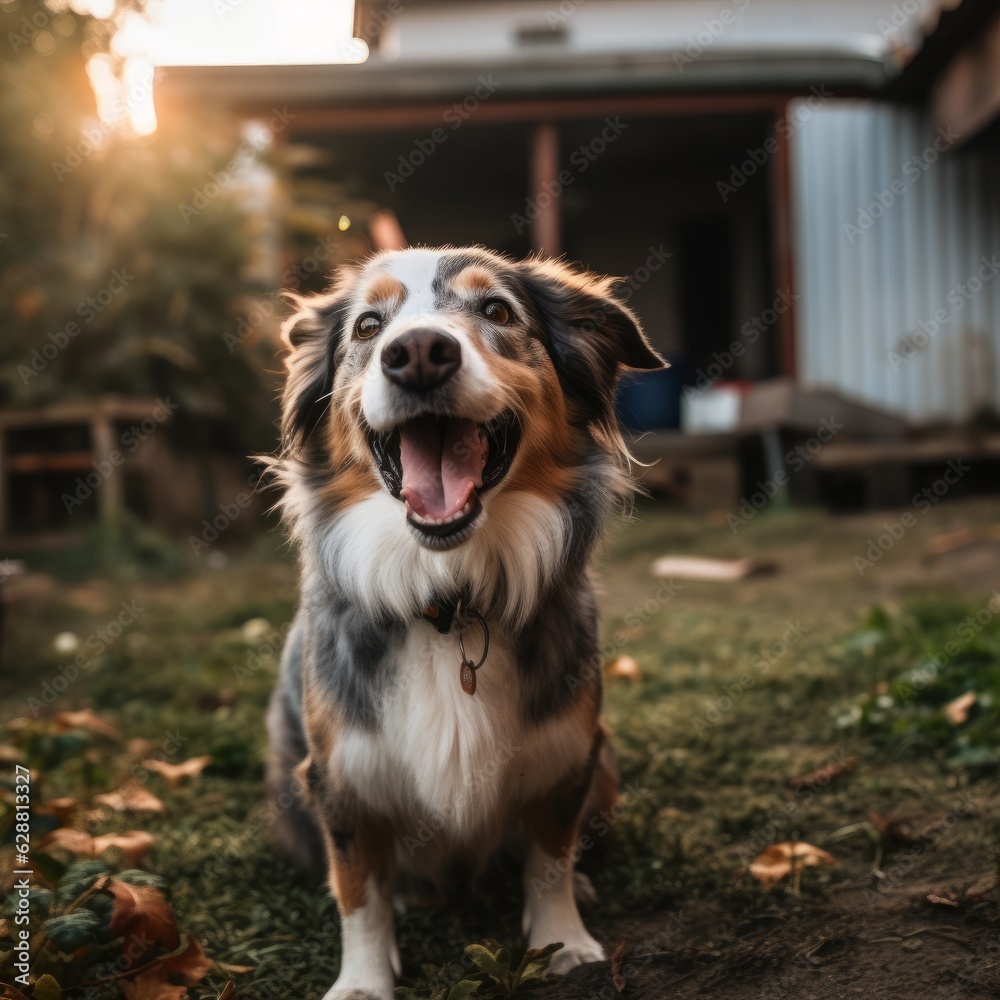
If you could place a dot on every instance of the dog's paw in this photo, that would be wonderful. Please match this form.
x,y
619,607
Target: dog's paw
x,y
579,949
373,986
351,992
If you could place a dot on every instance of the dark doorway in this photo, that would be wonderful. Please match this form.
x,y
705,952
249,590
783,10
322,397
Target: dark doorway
x,y
706,282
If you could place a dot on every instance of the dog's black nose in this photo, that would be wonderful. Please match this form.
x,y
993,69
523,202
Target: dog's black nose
x,y
421,359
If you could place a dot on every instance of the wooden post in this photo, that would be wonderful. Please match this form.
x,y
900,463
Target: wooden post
x,y
546,235
4,495
102,443
784,244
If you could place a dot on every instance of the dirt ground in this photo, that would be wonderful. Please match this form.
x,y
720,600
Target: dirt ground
x,y
786,707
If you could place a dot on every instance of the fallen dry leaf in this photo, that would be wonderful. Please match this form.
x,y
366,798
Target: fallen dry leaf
x,y
981,888
138,747
88,720
142,910
236,970
617,961
133,845
624,667
191,965
63,809
152,985
779,860
909,828
175,774
131,797
941,900
957,711
824,775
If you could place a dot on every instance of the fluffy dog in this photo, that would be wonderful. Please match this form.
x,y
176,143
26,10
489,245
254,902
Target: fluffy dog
x,y
450,455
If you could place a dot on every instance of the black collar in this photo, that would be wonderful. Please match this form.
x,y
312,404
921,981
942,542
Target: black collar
x,y
441,613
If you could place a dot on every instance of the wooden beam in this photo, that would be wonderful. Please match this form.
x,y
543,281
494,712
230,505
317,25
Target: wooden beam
x,y
50,461
546,229
372,118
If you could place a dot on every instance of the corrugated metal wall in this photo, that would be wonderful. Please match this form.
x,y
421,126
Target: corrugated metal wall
x,y
897,307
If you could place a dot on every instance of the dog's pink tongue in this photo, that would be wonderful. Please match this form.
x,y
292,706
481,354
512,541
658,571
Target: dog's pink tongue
x,y
442,464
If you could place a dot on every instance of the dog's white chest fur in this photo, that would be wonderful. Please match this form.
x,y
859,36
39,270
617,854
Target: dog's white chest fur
x,y
440,757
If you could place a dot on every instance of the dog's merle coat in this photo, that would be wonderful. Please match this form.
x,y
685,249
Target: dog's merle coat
x,y
372,735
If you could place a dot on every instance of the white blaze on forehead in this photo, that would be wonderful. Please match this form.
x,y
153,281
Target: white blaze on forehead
x,y
474,388
416,269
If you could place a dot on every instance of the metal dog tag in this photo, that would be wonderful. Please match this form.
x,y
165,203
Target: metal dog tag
x,y
467,671
467,675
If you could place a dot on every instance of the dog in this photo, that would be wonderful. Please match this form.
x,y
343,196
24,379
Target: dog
x,y
449,459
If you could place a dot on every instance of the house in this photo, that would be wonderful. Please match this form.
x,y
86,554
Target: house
x,y
797,189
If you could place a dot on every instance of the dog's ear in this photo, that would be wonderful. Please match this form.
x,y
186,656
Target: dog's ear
x,y
590,332
311,335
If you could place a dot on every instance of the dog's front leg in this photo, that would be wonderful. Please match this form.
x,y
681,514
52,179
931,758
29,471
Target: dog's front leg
x,y
550,912
360,862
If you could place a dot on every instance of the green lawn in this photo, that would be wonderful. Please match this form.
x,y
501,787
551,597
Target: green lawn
x,y
743,686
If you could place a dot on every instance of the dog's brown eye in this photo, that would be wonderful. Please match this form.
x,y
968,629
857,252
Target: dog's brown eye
x,y
496,311
367,326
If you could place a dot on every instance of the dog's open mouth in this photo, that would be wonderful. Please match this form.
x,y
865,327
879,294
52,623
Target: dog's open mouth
x,y
439,466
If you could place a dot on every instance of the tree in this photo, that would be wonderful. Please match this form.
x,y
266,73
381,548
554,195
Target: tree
x,y
124,260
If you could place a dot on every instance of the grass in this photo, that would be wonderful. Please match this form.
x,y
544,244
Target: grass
x,y
743,687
